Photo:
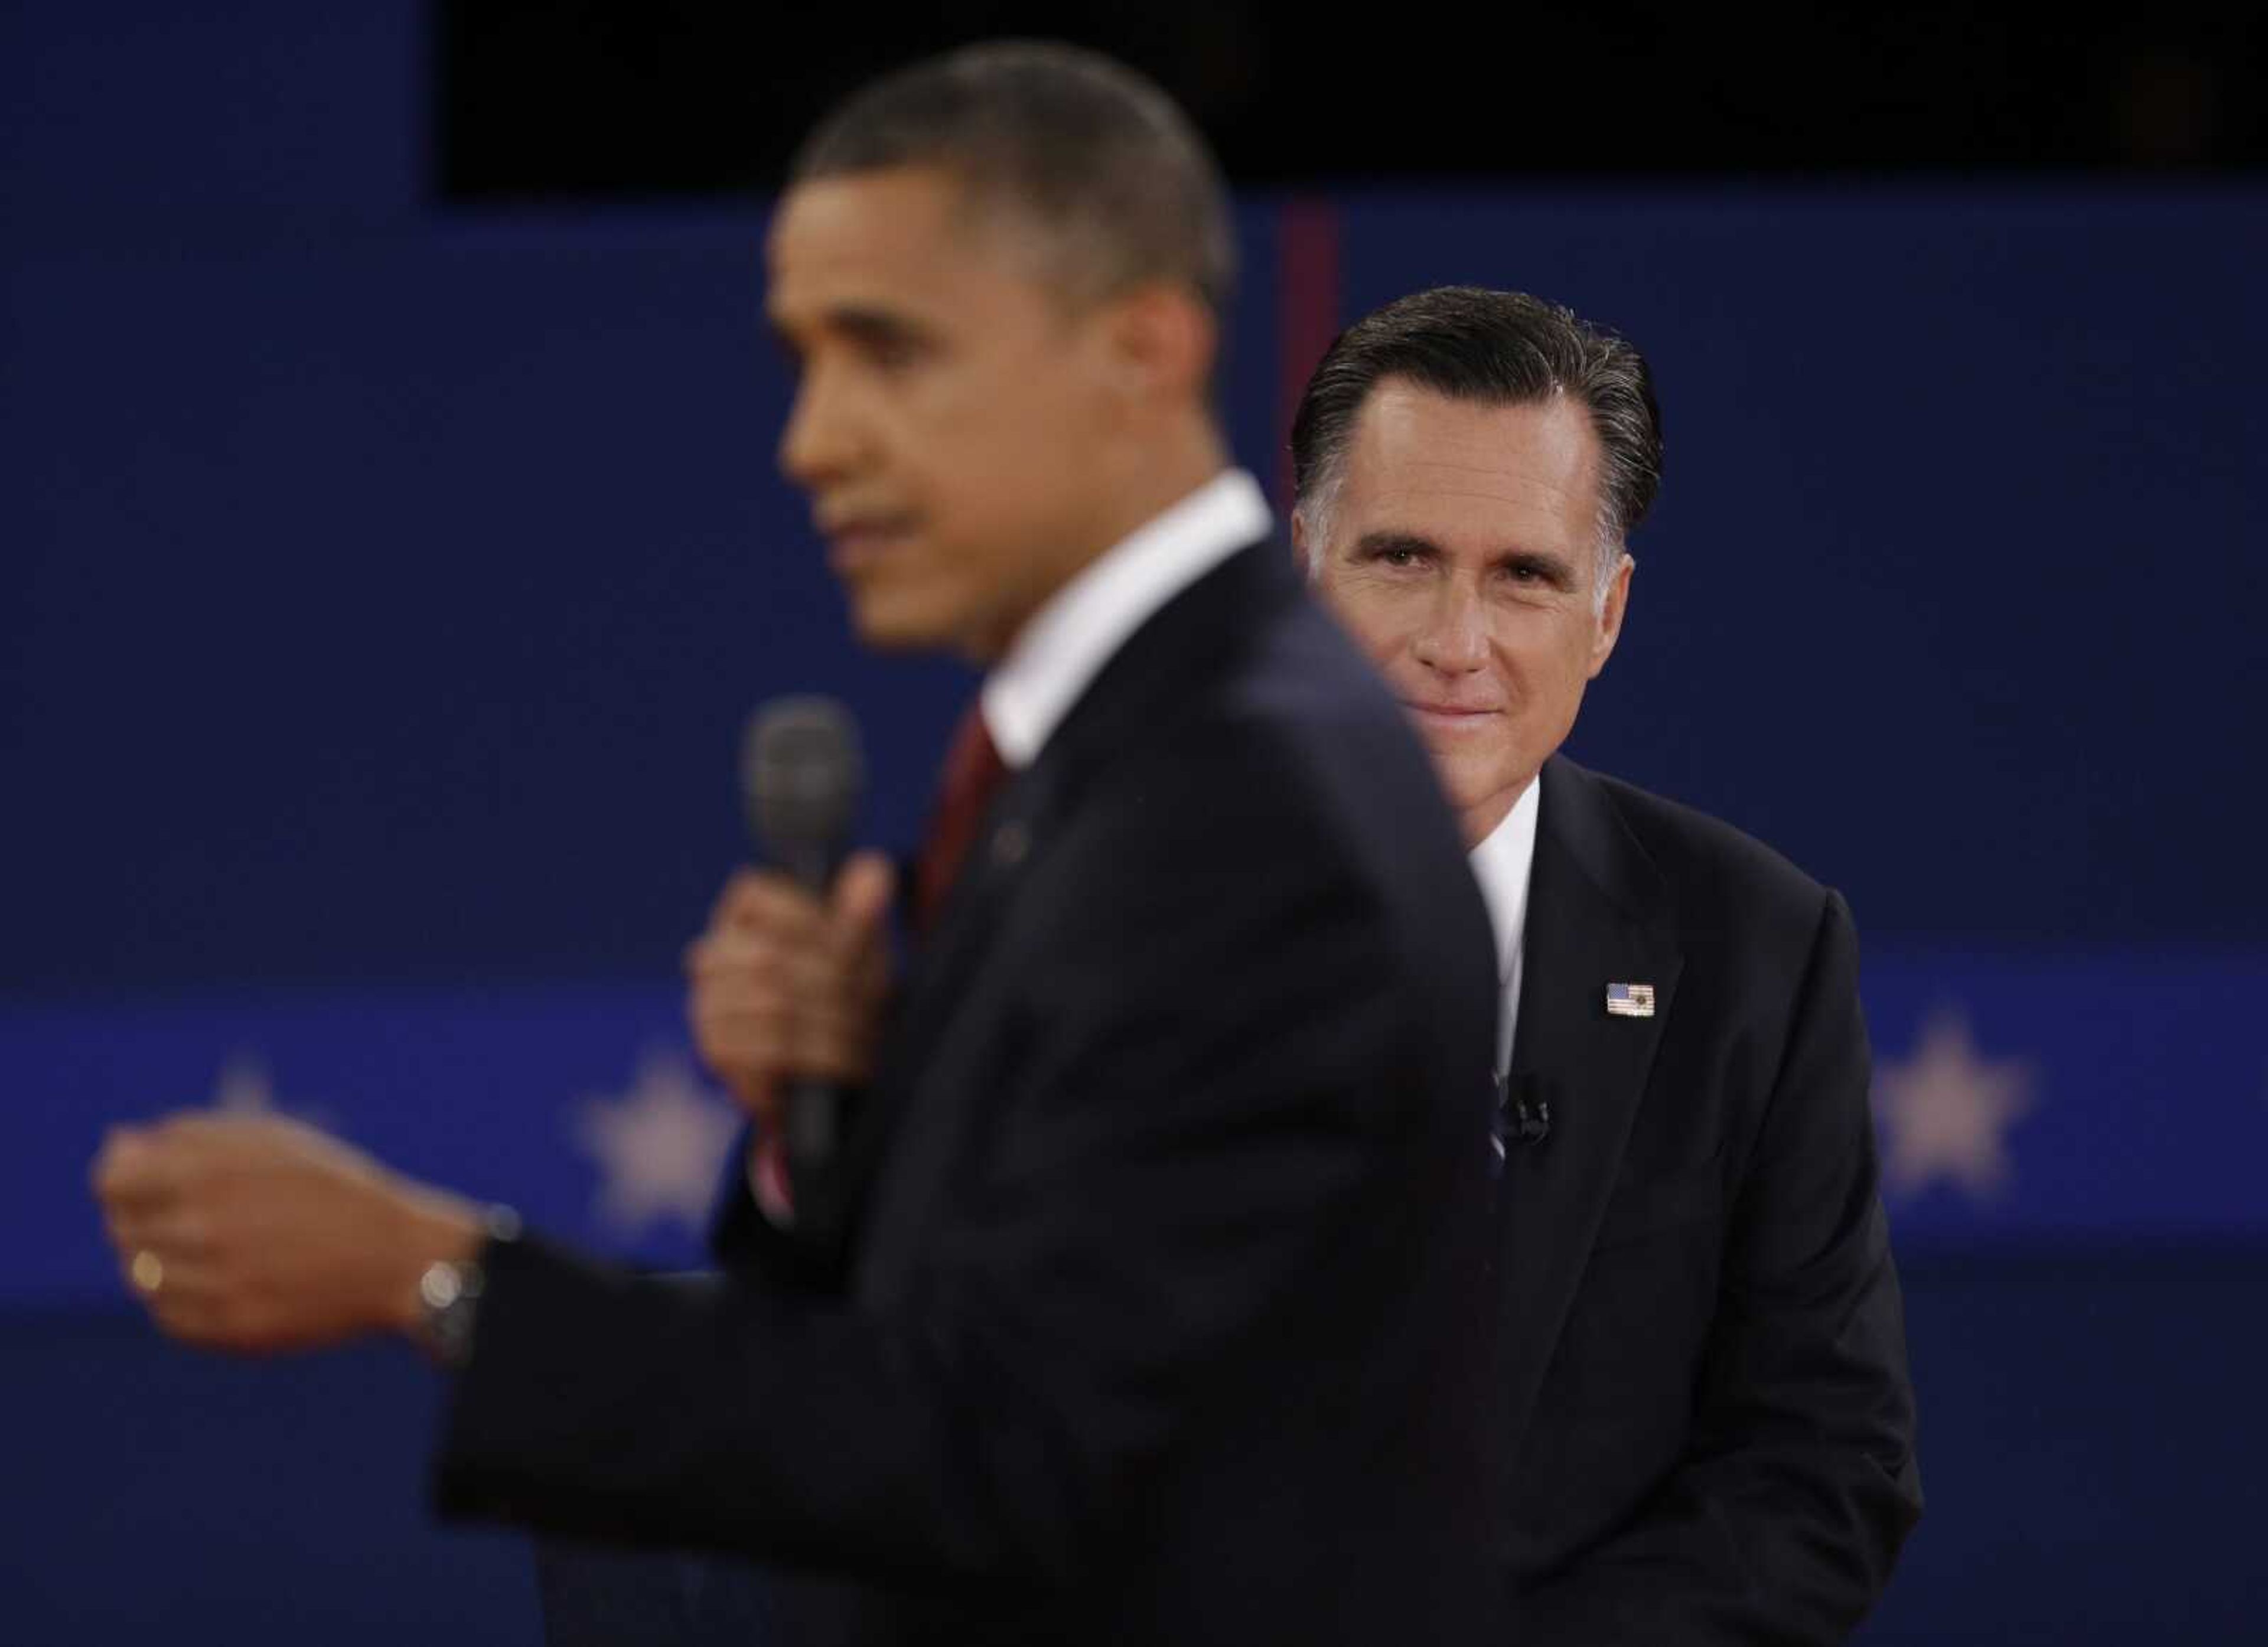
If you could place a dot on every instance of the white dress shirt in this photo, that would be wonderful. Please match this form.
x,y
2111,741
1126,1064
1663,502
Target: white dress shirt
x,y
1064,644
1503,864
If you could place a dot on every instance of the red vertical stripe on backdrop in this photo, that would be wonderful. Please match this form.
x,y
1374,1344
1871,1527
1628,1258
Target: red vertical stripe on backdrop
x,y
1307,314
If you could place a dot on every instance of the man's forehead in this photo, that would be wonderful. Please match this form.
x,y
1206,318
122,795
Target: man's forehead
x,y
1416,448
1407,422
885,206
920,247
879,228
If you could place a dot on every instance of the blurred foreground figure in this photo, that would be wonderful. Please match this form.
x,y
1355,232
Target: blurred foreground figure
x,y
1709,1425
1144,1301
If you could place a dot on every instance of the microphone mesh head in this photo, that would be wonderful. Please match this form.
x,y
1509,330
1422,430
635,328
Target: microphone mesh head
x,y
801,776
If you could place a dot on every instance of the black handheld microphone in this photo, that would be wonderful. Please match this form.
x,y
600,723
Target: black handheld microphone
x,y
801,779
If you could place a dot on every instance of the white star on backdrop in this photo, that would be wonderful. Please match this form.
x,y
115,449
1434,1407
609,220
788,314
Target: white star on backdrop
x,y
660,1146
1947,1111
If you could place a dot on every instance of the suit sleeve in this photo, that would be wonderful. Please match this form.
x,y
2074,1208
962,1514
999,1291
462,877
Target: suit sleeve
x,y
1189,1131
1801,1482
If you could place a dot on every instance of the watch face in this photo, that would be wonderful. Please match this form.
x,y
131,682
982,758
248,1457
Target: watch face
x,y
449,1292
440,1286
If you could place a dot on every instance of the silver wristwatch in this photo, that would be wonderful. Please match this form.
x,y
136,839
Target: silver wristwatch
x,y
449,1294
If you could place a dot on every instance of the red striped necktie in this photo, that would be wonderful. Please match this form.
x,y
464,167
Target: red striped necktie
x,y
973,774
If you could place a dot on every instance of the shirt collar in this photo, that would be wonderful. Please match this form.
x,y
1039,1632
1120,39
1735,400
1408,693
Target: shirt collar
x,y
1503,864
1065,644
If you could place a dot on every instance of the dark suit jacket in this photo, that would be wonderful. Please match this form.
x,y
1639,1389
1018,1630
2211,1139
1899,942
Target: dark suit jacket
x,y
1709,1425
1159,1313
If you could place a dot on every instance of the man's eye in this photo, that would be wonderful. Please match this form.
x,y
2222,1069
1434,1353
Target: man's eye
x,y
893,353
1531,574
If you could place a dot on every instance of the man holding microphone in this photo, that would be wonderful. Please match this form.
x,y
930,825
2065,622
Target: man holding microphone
x,y
1142,1301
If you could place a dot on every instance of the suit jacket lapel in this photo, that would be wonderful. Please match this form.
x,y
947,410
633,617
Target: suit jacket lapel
x,y
893,1131
1130,698
1593,920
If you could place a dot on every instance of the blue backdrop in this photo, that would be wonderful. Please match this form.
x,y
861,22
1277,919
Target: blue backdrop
x,y
381,589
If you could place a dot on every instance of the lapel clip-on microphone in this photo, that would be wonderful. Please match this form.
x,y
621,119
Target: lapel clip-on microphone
x,y
1523,1112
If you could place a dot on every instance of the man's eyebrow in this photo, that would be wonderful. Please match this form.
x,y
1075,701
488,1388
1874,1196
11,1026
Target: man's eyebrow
x,y
1390,539
859,322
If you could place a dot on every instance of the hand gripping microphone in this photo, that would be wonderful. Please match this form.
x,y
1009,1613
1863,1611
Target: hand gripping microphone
x,y
801,779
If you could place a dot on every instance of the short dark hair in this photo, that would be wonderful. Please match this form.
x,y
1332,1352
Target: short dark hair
x,y
1501,349
1082,145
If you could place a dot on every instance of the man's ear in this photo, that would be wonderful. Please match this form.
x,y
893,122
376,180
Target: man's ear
x,y
1162,342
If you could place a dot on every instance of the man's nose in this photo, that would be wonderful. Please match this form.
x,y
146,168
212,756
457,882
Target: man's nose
x,y
1454,636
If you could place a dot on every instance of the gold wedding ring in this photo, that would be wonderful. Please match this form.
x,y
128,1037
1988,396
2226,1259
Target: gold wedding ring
x,y
148,1271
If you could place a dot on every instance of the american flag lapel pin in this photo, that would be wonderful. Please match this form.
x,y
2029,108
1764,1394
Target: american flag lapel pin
x,y
1630,1000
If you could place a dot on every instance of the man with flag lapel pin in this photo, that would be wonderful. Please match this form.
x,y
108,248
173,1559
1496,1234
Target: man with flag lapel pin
x,y
1709,1424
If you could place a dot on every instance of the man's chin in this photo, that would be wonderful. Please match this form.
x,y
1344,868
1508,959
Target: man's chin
x,y
1465,767
1469,782
886,624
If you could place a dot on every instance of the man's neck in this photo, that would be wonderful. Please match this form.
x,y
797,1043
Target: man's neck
x,y
1152,487
1168,475
1480,822
1477,822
